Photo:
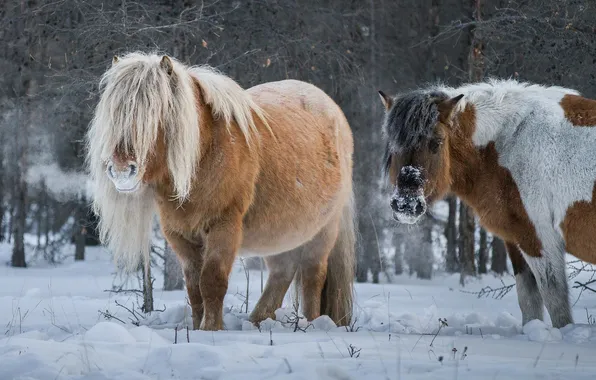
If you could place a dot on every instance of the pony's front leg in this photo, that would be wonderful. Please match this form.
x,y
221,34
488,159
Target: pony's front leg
x,y
190,253
222,244
551,278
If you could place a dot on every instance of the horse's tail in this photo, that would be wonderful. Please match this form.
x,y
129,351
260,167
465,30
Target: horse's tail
x,y
338,292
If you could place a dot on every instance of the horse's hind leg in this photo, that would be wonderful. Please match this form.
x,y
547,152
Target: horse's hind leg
x,y
282,269
528,294
549,270
190,255
313,269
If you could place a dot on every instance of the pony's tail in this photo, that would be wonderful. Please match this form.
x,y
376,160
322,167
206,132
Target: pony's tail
x,y
338,293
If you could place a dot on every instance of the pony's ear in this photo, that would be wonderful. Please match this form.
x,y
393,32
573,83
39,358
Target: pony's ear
x,y
386,100
114,60
446,108
166,64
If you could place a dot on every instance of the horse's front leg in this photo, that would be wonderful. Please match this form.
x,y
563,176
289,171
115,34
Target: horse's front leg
x,y
222,243
190,254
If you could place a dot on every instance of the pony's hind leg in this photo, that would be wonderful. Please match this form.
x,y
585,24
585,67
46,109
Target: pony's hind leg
x,y
551,278
282,269
190,254
313,269
528,294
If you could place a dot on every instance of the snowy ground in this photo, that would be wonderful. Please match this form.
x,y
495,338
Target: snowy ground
x,y
53,328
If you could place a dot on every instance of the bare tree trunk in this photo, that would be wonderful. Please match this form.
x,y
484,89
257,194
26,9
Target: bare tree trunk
x,y
2,189
41,198
147,289
499,256
451,262
47,224
368,256
80,229
172,272
20,196
466,240
11,215
467,223
476,59
483,252
425,257
18,251
398,259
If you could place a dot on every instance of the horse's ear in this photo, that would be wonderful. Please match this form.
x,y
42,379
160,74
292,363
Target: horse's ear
x,y
446,108
114,60
387,101
166,64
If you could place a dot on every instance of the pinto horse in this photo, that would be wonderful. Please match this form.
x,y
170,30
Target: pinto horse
x,y
264,171
523,156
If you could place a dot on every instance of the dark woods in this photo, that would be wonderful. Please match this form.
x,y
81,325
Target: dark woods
x,y
54,51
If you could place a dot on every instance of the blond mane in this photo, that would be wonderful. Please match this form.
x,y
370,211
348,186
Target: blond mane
x,y
228,100
137,98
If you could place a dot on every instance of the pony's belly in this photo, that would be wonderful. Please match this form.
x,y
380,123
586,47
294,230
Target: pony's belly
x,y
272,241
289,228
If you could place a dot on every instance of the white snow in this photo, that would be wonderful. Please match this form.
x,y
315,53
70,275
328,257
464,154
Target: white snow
x,y
52,328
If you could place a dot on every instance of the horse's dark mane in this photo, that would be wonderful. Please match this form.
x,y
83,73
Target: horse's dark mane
x,y
410,120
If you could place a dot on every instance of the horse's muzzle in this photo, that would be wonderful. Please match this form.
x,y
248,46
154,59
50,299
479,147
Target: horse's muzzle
x,y
408,206
125,176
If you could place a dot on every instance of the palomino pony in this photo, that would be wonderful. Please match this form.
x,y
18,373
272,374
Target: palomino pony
x,y
266,170
523,156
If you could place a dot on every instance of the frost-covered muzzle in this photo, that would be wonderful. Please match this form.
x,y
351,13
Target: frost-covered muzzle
x,y
407,201
125,176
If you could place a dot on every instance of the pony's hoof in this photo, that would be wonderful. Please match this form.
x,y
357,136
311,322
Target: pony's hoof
x,y
257,319
213,326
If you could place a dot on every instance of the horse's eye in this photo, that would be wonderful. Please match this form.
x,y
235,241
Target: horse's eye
x,y
434,145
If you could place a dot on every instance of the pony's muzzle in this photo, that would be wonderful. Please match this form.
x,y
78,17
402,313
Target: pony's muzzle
x,y
408,202
124,176
408,207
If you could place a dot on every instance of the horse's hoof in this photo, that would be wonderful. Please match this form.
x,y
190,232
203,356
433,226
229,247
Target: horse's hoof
x,y
212,326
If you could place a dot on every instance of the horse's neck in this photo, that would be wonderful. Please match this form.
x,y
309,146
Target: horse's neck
x,y
496,121
475,173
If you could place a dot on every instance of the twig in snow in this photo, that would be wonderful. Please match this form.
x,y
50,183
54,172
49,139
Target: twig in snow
x,y
353,351
247,274
591,319
321,350
442,323
262,261
389,315
288,364
294,321
463,354
539,355
351,327
134,291
108,316
497,293
136,315
584,285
